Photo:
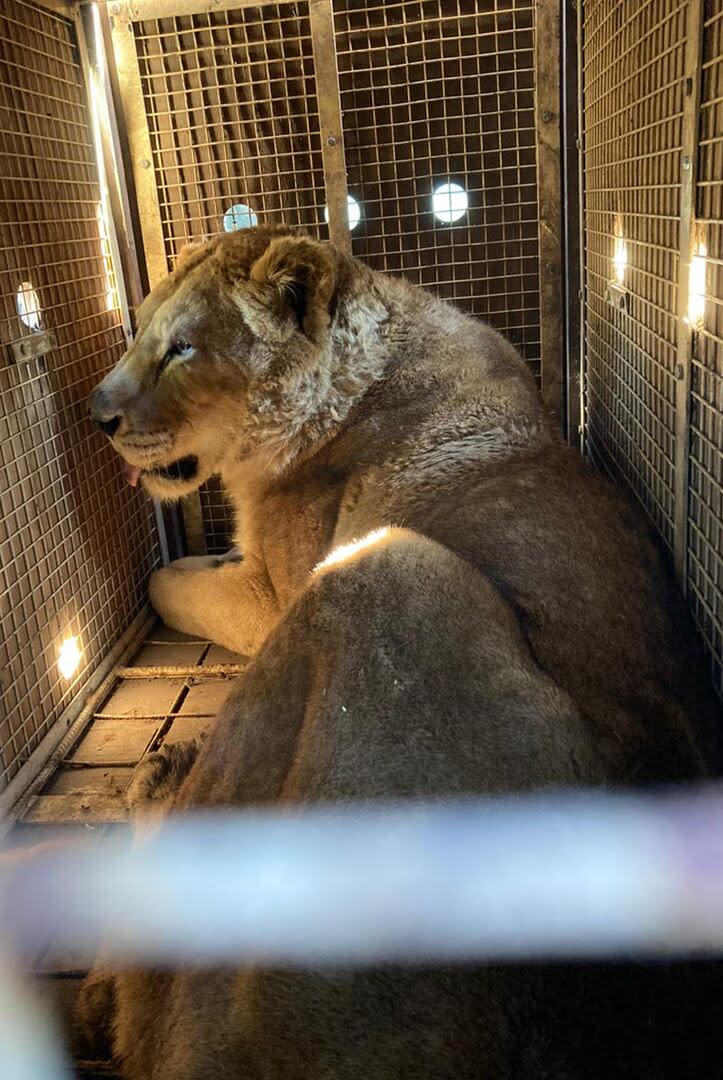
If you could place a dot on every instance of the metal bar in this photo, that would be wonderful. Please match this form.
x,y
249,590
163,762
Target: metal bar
x,y
547,122
321,18
66,8
571,166
582,247
104,162
123,206
684,346
140,10
193,525
183,671
134,111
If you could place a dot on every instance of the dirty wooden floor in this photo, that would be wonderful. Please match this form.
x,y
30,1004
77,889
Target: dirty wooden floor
x,y
171,690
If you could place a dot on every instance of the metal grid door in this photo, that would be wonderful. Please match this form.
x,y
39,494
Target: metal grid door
x,y
284,110
652,166
76,546
705,508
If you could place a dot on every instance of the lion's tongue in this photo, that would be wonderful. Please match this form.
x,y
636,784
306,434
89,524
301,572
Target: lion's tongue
x,y
132,473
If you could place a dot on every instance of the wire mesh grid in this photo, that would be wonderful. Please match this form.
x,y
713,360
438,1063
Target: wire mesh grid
x,y
437,93
75,547
633,67
705,520
230,99
233,119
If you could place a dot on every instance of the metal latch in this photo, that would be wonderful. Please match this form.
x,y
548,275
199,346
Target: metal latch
x,y
33,346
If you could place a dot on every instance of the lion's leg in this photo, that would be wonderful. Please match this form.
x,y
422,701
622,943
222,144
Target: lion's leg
x,y
222,600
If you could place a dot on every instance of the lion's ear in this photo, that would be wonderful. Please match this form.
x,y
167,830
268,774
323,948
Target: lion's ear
x,y
297,276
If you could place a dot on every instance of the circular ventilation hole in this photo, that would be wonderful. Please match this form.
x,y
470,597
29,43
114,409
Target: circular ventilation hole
x,y
353,210
239,216
449,202
28,305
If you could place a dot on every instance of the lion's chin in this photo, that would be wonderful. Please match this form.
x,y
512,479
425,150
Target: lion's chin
x,y
172,481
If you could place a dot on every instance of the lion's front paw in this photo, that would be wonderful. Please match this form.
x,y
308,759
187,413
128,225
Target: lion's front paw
x,y
165,590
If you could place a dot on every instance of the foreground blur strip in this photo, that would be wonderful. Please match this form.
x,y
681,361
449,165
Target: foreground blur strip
x,y
583,875
29,1044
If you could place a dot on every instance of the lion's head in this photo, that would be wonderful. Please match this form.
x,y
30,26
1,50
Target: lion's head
x,y
227,360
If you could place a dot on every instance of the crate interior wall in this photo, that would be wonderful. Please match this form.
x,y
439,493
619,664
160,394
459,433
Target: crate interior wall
x,y
75,549
652,166
428,92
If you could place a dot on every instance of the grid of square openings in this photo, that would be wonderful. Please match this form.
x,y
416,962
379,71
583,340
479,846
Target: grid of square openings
x,y
442,92
231,104
705,510
76,546
634,55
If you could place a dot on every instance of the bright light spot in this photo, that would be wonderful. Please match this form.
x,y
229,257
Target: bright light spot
x,y
449,202
345,552
69,657
111,288
353,210
620,253
239,216
696,287
28,305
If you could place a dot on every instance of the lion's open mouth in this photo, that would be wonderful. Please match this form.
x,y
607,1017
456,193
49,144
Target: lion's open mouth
x,y
183,469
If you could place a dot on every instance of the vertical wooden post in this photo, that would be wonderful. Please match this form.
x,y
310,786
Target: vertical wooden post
x,y
321,16
136,121
688,177
547,123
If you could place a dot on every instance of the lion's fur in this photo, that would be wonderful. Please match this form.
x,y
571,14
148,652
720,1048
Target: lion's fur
x,y
515,628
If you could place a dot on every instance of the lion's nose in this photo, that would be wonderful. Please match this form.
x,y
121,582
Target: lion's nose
x,y
106,418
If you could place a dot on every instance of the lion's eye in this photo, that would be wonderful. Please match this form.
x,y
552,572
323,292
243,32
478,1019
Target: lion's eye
x,y
176,348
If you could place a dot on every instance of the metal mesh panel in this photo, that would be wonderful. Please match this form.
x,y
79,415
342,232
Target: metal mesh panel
x,y
705,531
434,92
633,100
233,119
75,546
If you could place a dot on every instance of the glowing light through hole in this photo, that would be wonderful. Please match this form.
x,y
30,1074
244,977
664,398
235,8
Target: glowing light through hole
x,y
620,253
696,287
239,216
69,656
353,210
28,305
449,203
345,552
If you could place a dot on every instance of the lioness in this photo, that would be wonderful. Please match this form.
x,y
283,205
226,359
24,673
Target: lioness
x,y
442,600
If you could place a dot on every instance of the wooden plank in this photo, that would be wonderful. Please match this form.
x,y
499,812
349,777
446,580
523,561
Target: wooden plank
x,y
187,727
136,121
115,742
159,9
323,39
217,655
74,808
686,233
549,183
181,654
162,634
207,697
143,697
89,781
